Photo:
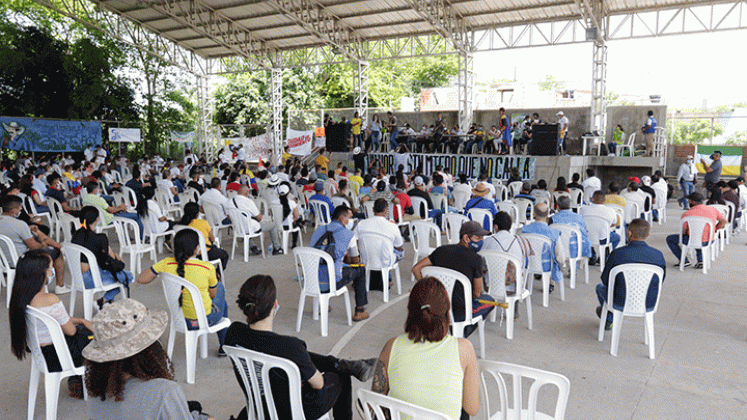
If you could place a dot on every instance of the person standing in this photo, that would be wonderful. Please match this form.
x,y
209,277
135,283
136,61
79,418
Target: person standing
x,y
375,133
713,171
648,133
355,125
393,129
564,124
687,176
505,127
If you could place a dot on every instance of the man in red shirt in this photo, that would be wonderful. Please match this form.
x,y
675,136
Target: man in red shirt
x,y
697,208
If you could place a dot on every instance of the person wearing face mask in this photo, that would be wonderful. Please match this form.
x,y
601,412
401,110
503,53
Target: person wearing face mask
x,y
345,252
462,257
687,176
540,227
55,191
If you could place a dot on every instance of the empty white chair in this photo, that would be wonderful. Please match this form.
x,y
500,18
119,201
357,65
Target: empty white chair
x,y
172,289
34,319
55,208
567,233
525,209
453,222
73,255
420,235
8,259
397,409
309,260
449,278
696,226
239,218
497,264
577,198
661,205
514,189
130,242
629,146
166,200
632,211
254,369
492,377
638,278
376,251
460,199
421,208
541,264
599,237
322,212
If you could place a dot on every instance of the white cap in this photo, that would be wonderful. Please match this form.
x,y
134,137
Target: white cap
x,y
283,189
560,113
356,150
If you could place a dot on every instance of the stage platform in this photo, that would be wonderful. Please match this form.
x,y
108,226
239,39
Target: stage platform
x,y
549,168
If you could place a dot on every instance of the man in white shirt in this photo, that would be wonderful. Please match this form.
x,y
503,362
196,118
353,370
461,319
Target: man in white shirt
x,y
565,124
635,195
100,155
462,187
282,176
687,176
597,208
214,197
189,155
591,181
380,224
89,153
241,153
504,241
38,183
255,223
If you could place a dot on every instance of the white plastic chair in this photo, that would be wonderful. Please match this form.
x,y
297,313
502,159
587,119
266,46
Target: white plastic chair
x,y
541,244
723,235
661,205
239,218
599,230
497,264
55,208
421,208
637,279
577,199
400,214
166,200
512,210
373,401
495,372
556,195
460,200
514,189
697,226
373,248
632,211
34,319
420,235
449,278
368,209
647,214
566,233
203,250
454,222
501,192
322,212
254,369
31,210
100,227
525,209
309,260
277,216
73,255
131,199
172,289
213,215
68,225
8,259
339,201
130,242
588,192
620,228
154,238
629,145
479,215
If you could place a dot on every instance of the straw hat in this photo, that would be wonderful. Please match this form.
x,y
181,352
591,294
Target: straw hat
x,y
480,189
124,329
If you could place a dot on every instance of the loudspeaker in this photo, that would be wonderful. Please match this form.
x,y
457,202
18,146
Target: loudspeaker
x,y
335,134
544,140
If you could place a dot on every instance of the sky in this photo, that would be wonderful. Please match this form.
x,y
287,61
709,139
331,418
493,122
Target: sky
x,y
684,69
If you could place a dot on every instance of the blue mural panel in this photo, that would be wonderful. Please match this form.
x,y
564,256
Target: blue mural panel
x,y
37,135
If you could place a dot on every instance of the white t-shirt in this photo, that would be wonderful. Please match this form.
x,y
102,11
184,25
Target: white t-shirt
x,y
242,154
215,198
154,213
379,224
599,210
176,172
564,123
246,204
504,241
165,184
638,197
592,182
88,153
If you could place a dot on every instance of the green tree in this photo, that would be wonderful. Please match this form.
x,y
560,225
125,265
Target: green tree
x,y
551,83
738,138
694,131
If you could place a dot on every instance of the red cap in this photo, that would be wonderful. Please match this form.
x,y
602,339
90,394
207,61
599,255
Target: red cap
x,y
634,179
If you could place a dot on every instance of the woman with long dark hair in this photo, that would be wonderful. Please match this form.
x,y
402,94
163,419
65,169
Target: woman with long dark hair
x,y
562,185
150,211
33,272
201,273
190,218
326,379
716,197
128,374
426,366
111,266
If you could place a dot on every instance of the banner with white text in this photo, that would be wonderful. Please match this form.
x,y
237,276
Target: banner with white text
x,y
183,136
124,135
497,167
300,142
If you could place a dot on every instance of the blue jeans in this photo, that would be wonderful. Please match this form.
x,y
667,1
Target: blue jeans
x,y
687,188
178,184
612,147
468,146
375,140
41,209
135,217
357,140
393,140
618,304
436,215
673,243
218,311
107,278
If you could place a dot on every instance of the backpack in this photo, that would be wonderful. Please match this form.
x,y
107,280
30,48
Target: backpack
x,y
327,244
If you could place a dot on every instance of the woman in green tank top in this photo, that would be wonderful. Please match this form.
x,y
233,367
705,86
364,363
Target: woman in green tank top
x,y
426,366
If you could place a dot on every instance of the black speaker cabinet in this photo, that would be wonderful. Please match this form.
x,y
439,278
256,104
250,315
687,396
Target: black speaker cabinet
x,y
544,140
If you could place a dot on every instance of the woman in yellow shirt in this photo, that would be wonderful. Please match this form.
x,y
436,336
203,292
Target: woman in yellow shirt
x,y
200,273
322,160
191,212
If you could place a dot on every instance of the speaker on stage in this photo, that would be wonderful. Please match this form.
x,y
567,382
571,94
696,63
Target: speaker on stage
x,y
336,134
544,140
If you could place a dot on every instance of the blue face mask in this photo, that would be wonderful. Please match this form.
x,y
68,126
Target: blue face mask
x,y
475,246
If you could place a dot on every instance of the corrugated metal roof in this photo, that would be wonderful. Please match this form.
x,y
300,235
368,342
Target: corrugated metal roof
x,y
203,25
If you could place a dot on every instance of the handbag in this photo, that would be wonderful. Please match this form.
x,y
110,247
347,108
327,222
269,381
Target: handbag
x,y
113,265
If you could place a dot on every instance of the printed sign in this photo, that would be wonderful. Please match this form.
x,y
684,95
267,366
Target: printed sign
x,y
183,137
37,135
300,142
497,167
124,135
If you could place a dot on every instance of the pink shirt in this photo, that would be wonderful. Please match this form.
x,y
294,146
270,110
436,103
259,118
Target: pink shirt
x,y
701,210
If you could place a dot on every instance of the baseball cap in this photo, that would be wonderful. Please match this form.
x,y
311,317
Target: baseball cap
x,y
634,179
472,228
418,181
560,113
318,186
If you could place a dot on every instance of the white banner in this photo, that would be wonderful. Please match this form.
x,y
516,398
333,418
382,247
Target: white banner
x,y
183,137
300,142
124,135
256,147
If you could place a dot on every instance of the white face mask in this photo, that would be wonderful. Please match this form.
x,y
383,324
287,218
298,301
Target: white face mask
x,y
350,224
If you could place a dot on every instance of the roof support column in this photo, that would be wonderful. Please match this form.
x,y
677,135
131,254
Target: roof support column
x,y
205,143
465,87
598,120
361,93
276,76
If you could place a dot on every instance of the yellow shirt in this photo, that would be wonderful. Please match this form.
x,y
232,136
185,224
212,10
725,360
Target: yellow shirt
x,y
357,183
204,227
200,273
68,175
322,161
286,156
615,199
355,123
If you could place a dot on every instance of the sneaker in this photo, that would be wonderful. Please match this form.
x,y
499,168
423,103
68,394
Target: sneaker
x,y
255,250
687,264
221,352
61,290
361,370
697,265
278,251
360,316
167,245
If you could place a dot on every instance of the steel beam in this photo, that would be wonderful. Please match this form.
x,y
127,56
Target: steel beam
x,y
466,83
361,94
444,19
276,76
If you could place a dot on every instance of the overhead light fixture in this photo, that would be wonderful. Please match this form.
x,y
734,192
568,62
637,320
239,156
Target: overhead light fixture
x,y
591,34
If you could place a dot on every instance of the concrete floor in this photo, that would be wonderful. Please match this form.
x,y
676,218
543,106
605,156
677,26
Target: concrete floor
x,y
698,372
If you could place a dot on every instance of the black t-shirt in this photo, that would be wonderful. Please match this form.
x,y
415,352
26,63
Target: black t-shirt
x,y
415,192
650,191
56,194
97,243
291,348
196,185
463,260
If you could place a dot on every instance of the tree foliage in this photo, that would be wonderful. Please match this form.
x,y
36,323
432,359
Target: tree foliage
x,y
551,83
694,131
